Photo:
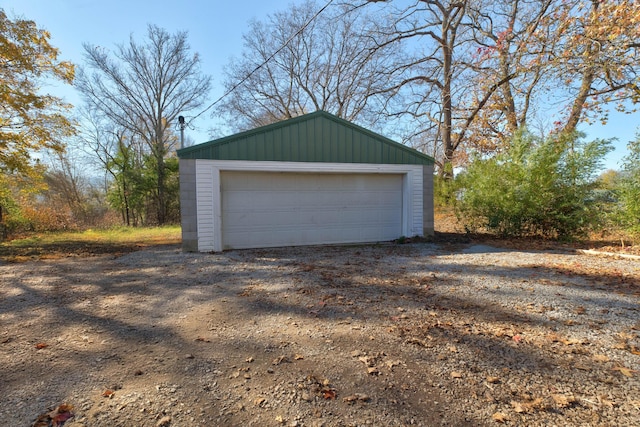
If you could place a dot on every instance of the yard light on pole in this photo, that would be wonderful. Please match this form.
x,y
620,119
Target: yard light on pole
x,y
181,122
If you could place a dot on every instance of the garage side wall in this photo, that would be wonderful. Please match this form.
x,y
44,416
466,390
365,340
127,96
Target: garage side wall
x,y
428,228
208,206
188,208
208,217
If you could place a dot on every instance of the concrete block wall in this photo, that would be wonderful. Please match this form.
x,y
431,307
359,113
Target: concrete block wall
x,y
188,206
427,201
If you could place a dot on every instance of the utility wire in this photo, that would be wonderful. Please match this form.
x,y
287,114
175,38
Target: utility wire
x,y
234,87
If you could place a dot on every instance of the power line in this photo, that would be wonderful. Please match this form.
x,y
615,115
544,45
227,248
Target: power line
x,y
234,87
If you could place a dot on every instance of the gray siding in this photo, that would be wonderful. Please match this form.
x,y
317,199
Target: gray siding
x,y
427,201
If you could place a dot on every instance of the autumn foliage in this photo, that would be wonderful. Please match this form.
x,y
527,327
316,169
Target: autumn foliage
x,y
29,120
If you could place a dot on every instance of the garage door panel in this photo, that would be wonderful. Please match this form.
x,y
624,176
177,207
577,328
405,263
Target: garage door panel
x,y
262,209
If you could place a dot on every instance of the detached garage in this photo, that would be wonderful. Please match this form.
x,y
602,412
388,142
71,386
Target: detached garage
x,y
314,179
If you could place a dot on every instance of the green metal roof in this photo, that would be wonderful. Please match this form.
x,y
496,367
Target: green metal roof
x,y
315,137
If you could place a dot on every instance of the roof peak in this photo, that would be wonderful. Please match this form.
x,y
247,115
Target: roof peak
x,y
313,137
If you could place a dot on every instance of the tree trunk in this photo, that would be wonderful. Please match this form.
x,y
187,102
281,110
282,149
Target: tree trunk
x,y
447,164
578,104
588,77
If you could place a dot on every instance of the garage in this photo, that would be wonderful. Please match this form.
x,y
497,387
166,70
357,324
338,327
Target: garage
x,y
315,179
263,209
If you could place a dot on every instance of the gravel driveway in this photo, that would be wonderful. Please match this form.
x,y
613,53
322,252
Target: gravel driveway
x,y
386,335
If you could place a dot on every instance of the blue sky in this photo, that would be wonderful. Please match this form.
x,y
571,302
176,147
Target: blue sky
x,y
215,32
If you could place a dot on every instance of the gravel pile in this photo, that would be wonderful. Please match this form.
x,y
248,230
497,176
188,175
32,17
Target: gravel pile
x,y
387,335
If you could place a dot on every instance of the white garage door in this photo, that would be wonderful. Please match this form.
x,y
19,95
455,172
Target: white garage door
x,y
262,209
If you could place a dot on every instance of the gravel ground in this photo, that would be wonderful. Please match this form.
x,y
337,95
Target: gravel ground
x,y
387,335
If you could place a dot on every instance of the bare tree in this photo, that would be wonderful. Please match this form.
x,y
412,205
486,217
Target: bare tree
x,y
573,56
509,49
70,188
429,78
597,58
296,62
143,88
119,153
475,71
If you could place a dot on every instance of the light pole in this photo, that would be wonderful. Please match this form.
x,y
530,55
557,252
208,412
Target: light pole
x,y
182,125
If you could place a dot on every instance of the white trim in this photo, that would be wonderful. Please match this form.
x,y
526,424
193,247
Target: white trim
x,y
209,210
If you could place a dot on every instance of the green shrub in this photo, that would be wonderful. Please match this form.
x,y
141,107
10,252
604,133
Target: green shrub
x,y
535,187
629,189
444,191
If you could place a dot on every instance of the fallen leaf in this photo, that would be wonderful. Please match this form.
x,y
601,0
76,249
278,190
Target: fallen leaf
x,y
601,358
61,415
626,336
625,371
527,407
281,359
571,341
367,360
329,394
500,417
563,400
392,363
363,397
604,400
350,399
355,397
41,345
55,418
518,407
553,337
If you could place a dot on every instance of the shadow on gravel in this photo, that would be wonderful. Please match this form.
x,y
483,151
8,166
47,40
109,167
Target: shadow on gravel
x,y
126,301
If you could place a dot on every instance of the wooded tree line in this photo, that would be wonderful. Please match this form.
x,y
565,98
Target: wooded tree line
x,y
464,81
457,76
132,97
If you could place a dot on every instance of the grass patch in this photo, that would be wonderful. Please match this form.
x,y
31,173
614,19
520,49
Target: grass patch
x,y
115,240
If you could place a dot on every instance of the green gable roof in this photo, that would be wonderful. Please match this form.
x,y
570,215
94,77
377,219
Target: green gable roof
x,y
315,137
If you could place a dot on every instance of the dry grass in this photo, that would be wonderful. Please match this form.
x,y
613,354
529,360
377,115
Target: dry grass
x,y
448,227
116,240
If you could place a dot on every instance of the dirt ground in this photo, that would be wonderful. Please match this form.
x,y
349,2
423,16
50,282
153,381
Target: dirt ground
x,y
452,333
